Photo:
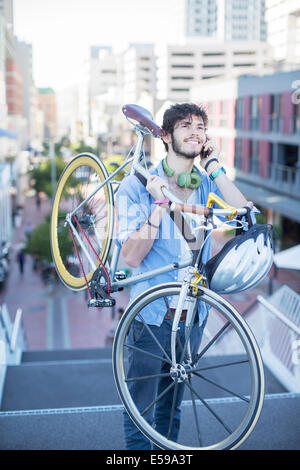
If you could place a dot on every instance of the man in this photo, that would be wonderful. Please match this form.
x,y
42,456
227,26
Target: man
x,y
150,239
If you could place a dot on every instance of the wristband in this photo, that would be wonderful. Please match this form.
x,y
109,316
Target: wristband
x,y
161,201
215,167
151,225
214,174
209,161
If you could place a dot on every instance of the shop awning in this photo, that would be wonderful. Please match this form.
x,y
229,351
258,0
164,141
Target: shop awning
x,y
8,133
288,259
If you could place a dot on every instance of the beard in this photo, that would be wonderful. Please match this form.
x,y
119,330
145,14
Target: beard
x,y
177,147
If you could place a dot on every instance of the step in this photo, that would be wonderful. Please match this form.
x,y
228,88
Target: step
x,y
59,384
100,428
90,382
66,354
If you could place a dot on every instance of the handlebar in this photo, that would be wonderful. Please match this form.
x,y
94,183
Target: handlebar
x,y
206,211
177,205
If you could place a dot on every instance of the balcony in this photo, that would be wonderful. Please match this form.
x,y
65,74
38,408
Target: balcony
x,y
280,179
274,124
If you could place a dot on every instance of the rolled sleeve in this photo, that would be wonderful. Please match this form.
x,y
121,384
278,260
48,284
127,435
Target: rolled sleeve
x,y
131,211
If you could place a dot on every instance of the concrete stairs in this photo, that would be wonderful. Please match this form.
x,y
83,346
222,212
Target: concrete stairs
x,y
67,400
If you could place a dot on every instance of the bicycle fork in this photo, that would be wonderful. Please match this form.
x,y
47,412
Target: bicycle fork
x,y
191,311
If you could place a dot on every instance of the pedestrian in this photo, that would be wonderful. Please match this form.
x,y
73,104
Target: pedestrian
x,y
144,235
21,260
38,200
28,229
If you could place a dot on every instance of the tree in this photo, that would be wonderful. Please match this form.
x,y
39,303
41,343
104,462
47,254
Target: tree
x,y
38,244
41,175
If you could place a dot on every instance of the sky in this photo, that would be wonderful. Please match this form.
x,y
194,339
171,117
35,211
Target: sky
x,y
61,31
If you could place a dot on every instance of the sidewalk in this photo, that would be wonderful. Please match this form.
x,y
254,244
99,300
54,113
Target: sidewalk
x,y
55,317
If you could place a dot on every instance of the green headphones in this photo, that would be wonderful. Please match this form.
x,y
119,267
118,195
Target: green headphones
x,y
185,179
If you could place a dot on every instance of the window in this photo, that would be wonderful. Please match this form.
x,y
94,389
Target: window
x,y
212,54
182,54
209,66
183,66
182,78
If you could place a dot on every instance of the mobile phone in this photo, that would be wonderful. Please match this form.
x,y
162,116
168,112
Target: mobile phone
x,y
205,153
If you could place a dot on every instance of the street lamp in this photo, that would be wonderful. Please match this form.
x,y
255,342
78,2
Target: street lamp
x,y
53,169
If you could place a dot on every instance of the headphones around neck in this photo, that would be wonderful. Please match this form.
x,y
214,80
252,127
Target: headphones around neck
x,y
184,180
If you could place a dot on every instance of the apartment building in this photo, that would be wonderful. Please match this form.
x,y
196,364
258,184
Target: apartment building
x,y
283,25
256,122
228,20
47,104
139,72
182,67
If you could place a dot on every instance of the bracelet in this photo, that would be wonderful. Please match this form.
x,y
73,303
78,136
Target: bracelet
x,y
215,167
161,201
209,161
151,225
214,174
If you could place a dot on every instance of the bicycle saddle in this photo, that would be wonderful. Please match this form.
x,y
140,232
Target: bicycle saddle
x,y
143,117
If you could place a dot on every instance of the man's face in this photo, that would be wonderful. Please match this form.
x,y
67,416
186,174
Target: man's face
x,y
188,137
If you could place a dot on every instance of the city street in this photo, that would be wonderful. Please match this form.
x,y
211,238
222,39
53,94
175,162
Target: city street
x,y
54,317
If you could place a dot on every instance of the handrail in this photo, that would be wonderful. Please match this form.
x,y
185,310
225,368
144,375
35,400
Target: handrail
x,y
15,331
278,314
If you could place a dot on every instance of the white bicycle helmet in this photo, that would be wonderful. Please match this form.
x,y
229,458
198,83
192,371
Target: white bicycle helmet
x,y
243,262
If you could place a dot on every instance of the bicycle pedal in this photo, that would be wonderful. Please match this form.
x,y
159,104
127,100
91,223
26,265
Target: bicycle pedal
x,y
101,302
120,275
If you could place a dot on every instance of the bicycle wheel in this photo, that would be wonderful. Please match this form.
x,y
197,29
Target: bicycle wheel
x,y
75,253
221,385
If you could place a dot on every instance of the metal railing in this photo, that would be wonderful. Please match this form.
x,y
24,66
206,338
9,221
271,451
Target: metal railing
x,y
276,325
12,342
273,124
286,179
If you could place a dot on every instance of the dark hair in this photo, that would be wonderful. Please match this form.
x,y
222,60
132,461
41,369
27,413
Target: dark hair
x,y
177,112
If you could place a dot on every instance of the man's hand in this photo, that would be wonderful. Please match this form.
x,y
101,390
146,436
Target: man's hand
x,y
154,186
212,147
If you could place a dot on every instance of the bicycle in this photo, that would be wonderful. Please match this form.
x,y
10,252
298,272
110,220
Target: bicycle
x,y
83,212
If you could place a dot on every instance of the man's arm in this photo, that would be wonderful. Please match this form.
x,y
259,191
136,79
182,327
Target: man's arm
x,y
231,194
138,245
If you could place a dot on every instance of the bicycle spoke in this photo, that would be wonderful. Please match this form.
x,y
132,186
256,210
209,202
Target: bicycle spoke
x,y
195,414
234,363
212,341
173,410
146,377
209,408
154,337
223,388
166,390
129,346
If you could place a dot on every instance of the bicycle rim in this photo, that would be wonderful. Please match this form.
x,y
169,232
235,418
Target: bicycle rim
x,y
223,390
93,221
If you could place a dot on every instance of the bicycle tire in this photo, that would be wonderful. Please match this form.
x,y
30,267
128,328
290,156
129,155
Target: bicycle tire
x,y
74,185
246,407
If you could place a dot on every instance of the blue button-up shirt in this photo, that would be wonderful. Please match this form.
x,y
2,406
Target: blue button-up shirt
x,y
135,204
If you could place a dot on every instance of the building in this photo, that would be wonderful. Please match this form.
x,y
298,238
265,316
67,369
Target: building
x,y
139,72
14,88
256,122
47,104
228,20
24,61
182,67
283,26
